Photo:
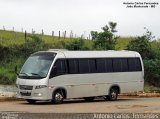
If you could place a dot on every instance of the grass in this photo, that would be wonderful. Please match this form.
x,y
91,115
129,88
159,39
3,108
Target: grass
x,y
122,43
150,88
11,38
15,40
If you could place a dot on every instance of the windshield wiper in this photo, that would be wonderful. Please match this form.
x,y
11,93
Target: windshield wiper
x,y
24,74
36,74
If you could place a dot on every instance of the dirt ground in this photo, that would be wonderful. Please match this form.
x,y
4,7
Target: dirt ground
x,y
123,104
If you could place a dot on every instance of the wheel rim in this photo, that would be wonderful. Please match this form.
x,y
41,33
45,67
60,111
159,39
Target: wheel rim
x,y
58,97
113,95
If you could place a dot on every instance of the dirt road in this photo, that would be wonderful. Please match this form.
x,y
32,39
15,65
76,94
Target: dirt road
x,y
124,104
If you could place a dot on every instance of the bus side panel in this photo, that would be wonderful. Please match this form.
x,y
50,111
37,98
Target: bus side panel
x,y
129,81
98,84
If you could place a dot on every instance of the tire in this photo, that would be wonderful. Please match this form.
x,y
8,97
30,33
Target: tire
x,y
106,98
58,97
112,95
89,99
31,101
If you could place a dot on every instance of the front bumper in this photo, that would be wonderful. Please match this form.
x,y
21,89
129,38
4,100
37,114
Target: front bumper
x,y
35,94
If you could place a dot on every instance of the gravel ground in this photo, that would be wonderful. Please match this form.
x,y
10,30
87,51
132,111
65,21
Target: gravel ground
x,y
123,104
147,103
7,91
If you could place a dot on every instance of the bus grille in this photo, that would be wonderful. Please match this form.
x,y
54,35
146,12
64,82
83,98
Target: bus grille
x,y
25,93
25,87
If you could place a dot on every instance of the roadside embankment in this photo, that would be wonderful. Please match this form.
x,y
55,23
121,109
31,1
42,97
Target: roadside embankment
x,y
8,92
143,94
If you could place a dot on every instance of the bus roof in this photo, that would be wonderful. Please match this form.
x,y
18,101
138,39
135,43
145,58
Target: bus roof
x,y
97,54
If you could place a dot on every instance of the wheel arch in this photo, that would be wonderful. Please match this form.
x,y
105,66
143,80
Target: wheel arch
x,y
115,86
62,89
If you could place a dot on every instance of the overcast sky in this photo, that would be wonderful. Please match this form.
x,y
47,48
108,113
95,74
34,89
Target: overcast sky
x,y
80,16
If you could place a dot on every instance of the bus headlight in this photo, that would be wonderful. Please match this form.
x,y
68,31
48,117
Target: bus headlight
x,y
40,86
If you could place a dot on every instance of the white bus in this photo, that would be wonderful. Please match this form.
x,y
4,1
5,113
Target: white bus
x,y
56,75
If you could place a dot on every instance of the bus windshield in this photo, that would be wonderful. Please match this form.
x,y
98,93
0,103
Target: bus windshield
x,y
37,66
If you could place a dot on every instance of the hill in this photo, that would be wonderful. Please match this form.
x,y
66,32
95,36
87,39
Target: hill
x,y
12,38
14,49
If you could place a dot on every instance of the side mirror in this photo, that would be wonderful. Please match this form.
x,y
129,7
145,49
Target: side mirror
x,y
16,70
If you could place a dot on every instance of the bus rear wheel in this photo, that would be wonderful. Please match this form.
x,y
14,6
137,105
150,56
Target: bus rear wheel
x,y
31,101
112,95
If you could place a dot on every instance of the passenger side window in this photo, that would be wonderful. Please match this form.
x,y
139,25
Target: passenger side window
x,y
131,63
124,64
83,66
72,66
120,65
109,66
134,64
117,65
92,66
100,65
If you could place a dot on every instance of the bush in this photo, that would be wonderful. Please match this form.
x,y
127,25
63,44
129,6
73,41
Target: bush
x,y
33,44
152,72
103,41
141,45
77,44
151,54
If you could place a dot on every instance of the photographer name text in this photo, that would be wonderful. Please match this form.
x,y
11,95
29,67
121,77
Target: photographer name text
x,y
140,4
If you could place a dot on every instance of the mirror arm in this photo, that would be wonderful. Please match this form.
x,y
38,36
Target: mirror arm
x,y
16,70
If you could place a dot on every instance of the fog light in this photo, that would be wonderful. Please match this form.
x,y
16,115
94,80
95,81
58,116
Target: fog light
x,y
17,93
38,94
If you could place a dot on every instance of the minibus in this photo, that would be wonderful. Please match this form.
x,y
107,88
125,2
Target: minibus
x,y
59,74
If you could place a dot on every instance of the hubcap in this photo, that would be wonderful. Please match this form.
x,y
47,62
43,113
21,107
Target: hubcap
x,y
113,95
58,97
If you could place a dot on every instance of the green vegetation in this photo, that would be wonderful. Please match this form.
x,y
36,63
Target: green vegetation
x,y
105,40
150,52
14,50
151,88
152,71
122,42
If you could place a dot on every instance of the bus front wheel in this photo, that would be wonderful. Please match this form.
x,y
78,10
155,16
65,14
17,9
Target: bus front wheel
x,y
58,97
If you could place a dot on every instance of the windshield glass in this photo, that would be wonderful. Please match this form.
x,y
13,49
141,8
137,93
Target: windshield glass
x,y
37,66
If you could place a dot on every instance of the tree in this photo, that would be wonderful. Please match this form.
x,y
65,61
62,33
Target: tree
x,y
151,59
152,71
105,40
110,28
141,44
